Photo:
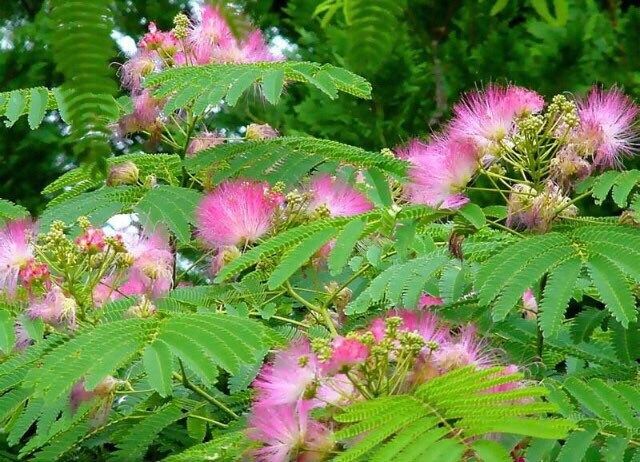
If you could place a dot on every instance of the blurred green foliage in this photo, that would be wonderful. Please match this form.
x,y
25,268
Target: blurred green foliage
x,y
418,54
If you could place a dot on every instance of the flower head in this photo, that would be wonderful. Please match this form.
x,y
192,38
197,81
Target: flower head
x,y
288,433
152,270
288,378
91,241
236,212
54,308
606,129
465,350
16,251
338,197
135,69
209,35
345,352
203,141
439,171
486,117
165,43
427,300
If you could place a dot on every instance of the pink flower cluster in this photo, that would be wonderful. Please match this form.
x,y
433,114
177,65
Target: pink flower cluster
x,y
485,124
300,379
209,40
240,212
151,273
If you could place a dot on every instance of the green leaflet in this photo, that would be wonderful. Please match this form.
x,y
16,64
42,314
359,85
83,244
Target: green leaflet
x,y
405,427
207,85
298,256
170,206
344,245
613,289
157,360
557,293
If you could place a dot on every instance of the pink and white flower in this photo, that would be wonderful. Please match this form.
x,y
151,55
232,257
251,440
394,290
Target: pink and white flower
x,y
236,212
346,352
606,130
289,377
204,140
16,251
486,117
465,350
439,171
288,433
338,197
54,308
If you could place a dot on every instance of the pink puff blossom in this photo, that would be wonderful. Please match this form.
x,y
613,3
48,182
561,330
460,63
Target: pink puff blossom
x,y
606,128
203,141
488,116
427,300
16,251
338,197
424,323
336,390
91,241
288,378
209,35
288,433
236,212
146,109
530,304
34,272
54,308
135,69
439,171
345,352
157,40
152,269
465,350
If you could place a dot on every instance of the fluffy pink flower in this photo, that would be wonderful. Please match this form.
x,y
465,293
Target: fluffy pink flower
x,y
146,109
338,197
529,301
261,132
439,171
336,390
203,141
288,433
424,323
345,352
465,350
16,252
254,49
235,213
135,69
288,377
91,241
151,273
488,116
209,35
606,127
427,300
54,308
152,269
157,40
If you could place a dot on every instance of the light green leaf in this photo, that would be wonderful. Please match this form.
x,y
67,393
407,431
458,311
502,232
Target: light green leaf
x,y
157,360
298,256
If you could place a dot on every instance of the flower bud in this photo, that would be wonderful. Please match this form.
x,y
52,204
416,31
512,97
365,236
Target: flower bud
x,y
123,174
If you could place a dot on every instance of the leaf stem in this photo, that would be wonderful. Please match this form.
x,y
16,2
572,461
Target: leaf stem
x,y
199,391
321,310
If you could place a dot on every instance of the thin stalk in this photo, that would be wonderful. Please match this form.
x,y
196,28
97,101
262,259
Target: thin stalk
x,y
199,391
